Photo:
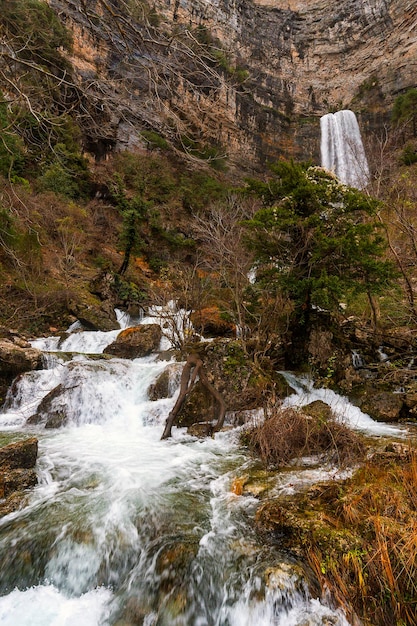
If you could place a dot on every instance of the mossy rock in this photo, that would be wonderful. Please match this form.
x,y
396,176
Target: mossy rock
x,y
198,407
318,410
136,342
209,323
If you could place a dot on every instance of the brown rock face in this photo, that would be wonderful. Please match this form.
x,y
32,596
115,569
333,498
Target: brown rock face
x,y
279,65
136,342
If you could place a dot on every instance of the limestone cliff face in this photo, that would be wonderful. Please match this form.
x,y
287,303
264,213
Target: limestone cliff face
x,y
250,77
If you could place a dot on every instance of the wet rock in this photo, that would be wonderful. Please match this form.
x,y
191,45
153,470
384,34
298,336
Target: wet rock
x,y
394,452
21,454
136,342
16,480
166,383
198,407
95,316
16,357
383,406
273,516
319,410
200,430
17,474
47,414
278,577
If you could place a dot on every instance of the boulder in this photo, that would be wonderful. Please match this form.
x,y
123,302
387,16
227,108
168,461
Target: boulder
x,y
19,455
383,406
17,357
47,413
166,383
136,342
318,410
95,316
209,323
17,474
16,480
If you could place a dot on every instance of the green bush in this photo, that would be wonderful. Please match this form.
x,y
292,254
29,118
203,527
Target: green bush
x,y
409,155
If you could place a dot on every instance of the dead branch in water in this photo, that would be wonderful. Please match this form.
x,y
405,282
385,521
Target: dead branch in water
x,y
193,368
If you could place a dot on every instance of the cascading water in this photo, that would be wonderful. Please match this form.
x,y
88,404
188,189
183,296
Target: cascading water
x,y
342,151
124,528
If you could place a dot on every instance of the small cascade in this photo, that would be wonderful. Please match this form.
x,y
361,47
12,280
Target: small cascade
x,y
357,360
342,150
345,411
382,355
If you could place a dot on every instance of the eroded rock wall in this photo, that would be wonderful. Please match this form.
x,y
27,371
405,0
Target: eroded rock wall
x,y
284,63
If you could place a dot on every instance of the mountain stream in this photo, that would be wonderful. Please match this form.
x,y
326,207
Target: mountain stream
x,y
125,529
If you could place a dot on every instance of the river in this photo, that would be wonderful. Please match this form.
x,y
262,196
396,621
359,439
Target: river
x,y
124,529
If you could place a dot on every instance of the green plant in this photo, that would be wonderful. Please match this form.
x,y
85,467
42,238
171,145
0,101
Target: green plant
x,y
154,140
316,241
404,110
134,212
408,155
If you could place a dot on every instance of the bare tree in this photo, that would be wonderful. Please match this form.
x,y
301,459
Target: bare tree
x,y
221,233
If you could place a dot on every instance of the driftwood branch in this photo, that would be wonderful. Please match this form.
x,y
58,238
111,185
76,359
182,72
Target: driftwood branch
x,y
193,368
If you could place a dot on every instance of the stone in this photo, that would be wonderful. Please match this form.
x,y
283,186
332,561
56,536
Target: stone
x,y
95,315
16,359
200,430
21,454
45,413
209,323
166,383
319,410
17,474
16,480
383,406
136,342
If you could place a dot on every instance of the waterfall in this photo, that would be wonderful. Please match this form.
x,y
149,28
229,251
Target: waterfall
x,y
126,528
342,150
347,413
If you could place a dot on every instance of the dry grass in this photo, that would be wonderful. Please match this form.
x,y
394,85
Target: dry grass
x,y
377,572
291,434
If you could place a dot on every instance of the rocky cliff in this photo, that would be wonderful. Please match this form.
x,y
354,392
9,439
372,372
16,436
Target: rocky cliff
x,y
238,78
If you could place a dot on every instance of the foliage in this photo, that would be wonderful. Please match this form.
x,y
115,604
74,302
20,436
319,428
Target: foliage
x,y
408,155
316,239
133,211
66,175
154,140
11,146
214,154
36,32
199,189
404,109
36,76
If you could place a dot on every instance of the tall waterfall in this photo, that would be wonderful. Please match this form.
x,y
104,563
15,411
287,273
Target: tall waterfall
x,y
342,150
